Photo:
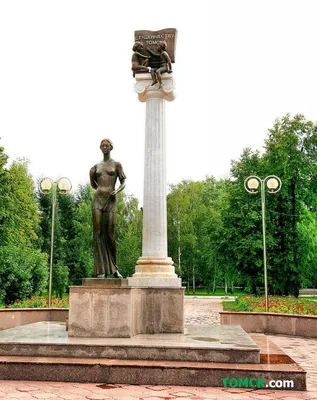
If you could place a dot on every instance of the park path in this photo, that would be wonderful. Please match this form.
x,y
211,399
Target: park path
x,y
197,311
202,310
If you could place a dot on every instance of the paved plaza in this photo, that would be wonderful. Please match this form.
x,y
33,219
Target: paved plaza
x,y
197,311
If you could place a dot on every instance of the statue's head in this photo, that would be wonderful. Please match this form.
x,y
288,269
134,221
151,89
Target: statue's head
x,y
106,143
162,45
137,46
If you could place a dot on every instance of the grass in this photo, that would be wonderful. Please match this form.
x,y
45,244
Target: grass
x,y
285,305
218,292
309,297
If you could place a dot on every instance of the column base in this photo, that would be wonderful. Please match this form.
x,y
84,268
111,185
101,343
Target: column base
x,y
155,272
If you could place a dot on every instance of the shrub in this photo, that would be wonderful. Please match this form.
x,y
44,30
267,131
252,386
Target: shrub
x,y
23,272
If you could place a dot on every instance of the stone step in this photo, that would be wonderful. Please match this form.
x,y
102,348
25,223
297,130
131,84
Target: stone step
x,y
142,372
131,352
230,344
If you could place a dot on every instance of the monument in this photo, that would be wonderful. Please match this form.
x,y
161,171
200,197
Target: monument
x,y
112,320
152,300
103,177
155,268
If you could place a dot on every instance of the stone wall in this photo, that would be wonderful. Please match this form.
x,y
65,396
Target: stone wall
x,y
284,324
12,317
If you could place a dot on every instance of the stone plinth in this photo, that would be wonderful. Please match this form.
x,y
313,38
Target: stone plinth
x,y
101,311
105,282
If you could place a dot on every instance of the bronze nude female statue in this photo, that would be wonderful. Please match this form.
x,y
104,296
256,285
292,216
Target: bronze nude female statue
x,y
103,178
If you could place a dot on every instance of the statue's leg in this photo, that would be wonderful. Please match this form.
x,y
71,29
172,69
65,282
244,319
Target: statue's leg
x,y
140,68
144,68
99,268
159,76
110,242
153,75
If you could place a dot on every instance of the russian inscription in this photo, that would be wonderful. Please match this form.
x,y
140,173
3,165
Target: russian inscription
x,y
151,39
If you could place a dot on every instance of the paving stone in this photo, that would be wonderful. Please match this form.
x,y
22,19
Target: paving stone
x,y
19,395
44,395
71,396
182,394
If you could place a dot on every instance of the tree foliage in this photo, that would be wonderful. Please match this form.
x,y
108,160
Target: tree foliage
x,y
214,226
23,268
128,233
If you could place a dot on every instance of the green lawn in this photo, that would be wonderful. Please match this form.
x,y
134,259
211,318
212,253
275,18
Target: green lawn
x,y
218,292
308,297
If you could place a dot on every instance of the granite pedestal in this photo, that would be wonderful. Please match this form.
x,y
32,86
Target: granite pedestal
x,y
110,308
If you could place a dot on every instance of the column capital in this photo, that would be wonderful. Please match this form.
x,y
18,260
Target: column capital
x,y
145,91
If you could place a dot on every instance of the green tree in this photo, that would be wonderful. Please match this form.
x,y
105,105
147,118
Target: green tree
x,y
307,235
241,245
23,272
291,152
81,246
60,249
216,266
60,278
128,233
23,269
3,193
21,220
184,210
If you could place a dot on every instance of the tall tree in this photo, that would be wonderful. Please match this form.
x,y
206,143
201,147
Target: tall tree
x,y
63,235
291,152
22,215
3,193
217,269
242,245
128,233
81,246
23,269
184,206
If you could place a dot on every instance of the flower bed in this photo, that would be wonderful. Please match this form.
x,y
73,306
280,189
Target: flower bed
x,y
39,302
286,316
281,305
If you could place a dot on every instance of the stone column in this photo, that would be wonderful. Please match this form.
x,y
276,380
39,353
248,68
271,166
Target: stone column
x,y
154,268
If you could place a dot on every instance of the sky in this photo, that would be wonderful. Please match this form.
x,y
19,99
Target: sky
x,y
66,82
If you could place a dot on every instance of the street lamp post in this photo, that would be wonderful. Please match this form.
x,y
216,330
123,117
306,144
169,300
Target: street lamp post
x,y
273,184
45,185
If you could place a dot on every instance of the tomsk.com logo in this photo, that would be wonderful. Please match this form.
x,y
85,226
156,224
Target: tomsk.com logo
x,y
256,383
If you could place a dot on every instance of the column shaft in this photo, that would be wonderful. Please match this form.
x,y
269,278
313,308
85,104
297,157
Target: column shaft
x,y
154,206
154,268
